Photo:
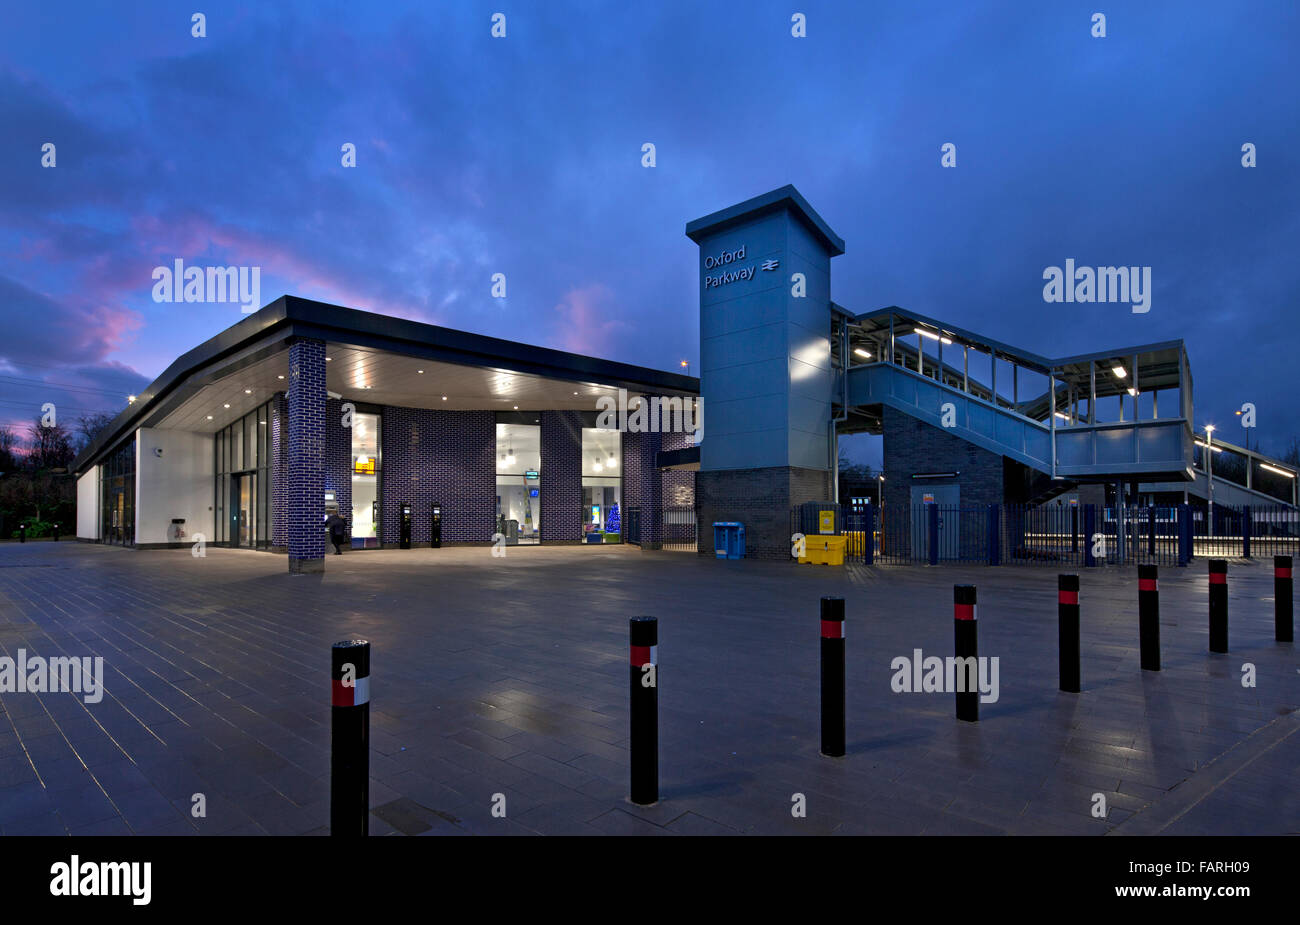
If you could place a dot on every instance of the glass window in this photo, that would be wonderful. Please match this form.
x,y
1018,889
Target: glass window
x,y
237,448
601,481
519,485
250,441
365,479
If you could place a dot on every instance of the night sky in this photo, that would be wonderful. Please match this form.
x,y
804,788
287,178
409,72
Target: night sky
x,y
522,156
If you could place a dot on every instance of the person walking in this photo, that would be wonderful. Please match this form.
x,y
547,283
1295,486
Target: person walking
x,y
337,527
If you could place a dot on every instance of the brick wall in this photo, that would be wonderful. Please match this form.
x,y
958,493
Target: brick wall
x,y
561,494
912,446
338,460
306,454
443,456
760,499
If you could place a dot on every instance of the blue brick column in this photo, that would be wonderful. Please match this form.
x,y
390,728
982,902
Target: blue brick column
x,y
305,492
561,477
652,498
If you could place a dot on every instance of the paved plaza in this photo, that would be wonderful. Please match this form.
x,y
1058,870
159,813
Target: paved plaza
x,y
509,676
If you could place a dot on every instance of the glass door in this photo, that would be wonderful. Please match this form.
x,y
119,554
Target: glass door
x,y
243,492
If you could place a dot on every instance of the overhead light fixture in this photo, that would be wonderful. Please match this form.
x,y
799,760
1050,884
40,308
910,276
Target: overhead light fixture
x,y
933,336
444,398
420,371
225,406
1217,449
1133,392
329,359
209,417
597,467
865,354
248,391
510,458
279,377
516,407
1063,417
1119,370
612,463
1289,475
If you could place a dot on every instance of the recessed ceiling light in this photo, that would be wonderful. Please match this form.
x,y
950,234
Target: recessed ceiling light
x,y
279,377
248,391
329,359
209,417
420,371
225,406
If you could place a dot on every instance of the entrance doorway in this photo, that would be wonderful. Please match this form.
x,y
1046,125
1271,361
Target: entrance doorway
x,y
243,513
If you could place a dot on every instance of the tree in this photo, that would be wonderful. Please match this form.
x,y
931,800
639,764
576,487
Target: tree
x,y
89,426
8,449
50,446
1291,456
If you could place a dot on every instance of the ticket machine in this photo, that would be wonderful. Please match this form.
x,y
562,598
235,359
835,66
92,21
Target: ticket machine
x,y
404,526
435,535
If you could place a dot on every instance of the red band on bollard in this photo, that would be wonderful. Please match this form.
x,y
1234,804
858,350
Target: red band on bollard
x,y
1218,578
643,655
353,695
1148,584
1067,597
1281,573
832,629
963,611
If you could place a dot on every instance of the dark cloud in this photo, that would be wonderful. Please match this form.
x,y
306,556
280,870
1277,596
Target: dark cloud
x,y
522,156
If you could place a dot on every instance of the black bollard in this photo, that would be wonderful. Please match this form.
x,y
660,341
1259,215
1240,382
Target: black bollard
x,y
350,738
1218,605
1282,620
1149,617
643,677
833,676
1067,611
963,612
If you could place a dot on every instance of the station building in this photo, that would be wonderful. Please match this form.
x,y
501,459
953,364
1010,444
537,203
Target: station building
x,y
421,435
417,435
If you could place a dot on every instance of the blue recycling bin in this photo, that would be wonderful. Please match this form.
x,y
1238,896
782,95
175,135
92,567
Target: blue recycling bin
x,y
729,540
